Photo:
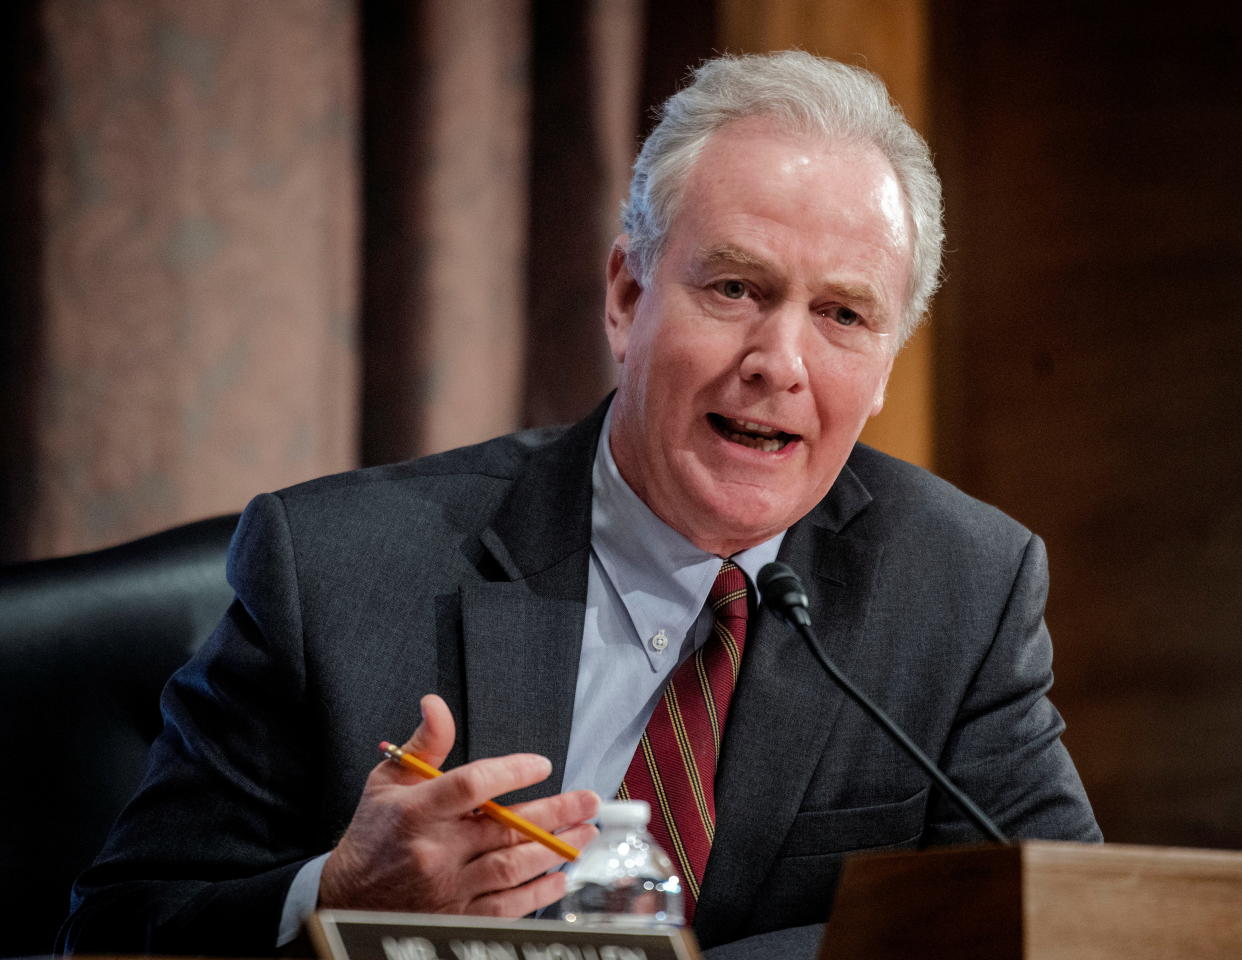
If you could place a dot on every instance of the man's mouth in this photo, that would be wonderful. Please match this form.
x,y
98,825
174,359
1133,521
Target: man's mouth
x,y
757,436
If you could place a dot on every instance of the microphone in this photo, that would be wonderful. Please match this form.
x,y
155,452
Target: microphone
x,y
782,592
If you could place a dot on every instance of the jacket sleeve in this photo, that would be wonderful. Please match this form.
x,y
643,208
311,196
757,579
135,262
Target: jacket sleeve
x,y
201,859
1005,749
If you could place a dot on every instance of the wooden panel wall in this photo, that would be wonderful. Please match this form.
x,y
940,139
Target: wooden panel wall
x,y
1082,367
1089,361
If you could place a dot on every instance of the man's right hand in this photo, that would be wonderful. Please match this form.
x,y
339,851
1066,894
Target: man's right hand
x,y
419,845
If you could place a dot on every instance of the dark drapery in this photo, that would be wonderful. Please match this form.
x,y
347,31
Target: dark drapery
x,y
254,243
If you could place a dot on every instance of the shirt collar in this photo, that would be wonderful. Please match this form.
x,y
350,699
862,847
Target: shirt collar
x,y
661,577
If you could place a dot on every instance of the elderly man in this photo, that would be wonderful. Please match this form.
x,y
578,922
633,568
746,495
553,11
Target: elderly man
x,y
541,605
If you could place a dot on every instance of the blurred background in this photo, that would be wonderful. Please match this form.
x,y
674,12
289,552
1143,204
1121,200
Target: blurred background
x,y
247,243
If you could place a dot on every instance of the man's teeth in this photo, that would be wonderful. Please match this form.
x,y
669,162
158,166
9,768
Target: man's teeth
x,y
770,445
748,427
744,432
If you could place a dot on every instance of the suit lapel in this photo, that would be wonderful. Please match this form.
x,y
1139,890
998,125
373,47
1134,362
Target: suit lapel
x,y
785,707
522,629
521,643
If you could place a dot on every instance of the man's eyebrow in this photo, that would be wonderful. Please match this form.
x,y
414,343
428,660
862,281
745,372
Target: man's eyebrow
x,y
727,255
861,293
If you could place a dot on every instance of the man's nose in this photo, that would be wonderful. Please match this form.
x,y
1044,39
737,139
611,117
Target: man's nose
x,y
773,351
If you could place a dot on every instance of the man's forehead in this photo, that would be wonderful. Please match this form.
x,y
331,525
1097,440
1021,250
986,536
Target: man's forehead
x,y
754,163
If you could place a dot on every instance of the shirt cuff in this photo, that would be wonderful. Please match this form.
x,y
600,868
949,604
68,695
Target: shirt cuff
x,y
301,899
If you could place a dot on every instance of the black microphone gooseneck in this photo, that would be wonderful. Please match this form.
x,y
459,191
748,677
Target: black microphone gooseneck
x,y
782,591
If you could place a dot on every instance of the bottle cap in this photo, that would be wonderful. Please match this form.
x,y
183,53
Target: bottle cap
x,y
624,813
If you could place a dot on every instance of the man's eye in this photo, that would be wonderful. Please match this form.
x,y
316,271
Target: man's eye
x,y
844,316
732,289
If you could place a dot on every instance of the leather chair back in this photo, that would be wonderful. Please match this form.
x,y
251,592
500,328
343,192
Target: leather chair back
x,y
86,645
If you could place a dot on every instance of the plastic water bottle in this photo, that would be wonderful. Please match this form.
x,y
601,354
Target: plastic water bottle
x,y
622,876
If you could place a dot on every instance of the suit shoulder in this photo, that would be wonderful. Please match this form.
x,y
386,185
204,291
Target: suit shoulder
x,y
911,499
492,462
416,500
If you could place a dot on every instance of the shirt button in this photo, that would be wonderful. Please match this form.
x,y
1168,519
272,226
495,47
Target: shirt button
x,y
659,641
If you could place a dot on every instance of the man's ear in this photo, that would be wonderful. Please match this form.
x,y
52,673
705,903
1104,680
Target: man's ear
x,y
878,403
621,300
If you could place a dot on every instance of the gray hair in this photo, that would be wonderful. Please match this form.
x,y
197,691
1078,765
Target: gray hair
x,y
802,93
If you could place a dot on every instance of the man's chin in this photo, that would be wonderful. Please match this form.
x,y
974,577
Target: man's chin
x,y
729,530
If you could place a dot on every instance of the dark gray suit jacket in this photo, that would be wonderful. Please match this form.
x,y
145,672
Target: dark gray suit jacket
x,y
465,574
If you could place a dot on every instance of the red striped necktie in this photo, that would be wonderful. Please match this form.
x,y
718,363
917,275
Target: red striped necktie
x,y
674,767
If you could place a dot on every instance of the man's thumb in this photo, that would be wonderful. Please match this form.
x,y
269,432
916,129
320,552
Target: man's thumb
x,y
434,737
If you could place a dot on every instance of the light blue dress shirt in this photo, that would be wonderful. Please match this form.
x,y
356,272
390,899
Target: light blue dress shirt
x,y
646,612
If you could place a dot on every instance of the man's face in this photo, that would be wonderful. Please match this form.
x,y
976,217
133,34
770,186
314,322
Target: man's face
x,y
765,338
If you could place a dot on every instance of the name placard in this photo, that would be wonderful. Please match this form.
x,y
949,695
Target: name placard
x,y
371,935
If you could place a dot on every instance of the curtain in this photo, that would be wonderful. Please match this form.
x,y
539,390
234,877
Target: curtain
x,y
257,243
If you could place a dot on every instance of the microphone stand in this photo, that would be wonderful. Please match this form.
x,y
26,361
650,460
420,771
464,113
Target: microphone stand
x,y
798,617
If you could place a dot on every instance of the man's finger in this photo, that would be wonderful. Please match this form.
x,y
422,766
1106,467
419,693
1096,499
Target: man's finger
x,y
435,736
507,867
553,814
560,811
431,742
465,788
520,901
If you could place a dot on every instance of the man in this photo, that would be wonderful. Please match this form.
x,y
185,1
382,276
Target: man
x,y
540,590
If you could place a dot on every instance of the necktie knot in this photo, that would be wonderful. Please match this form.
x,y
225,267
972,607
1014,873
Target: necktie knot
x,y
728,589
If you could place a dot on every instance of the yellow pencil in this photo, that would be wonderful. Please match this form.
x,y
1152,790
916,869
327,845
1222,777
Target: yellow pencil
x,y
491,808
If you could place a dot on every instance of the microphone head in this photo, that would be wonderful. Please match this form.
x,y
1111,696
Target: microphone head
x,y
781,590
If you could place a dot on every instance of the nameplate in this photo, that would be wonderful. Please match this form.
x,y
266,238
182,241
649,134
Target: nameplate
x,y
370,935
